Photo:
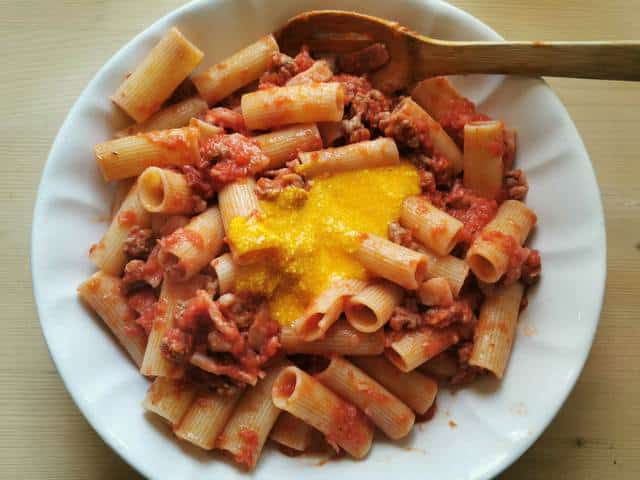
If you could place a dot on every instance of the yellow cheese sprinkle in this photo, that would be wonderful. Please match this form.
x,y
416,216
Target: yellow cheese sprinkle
x,y
314,233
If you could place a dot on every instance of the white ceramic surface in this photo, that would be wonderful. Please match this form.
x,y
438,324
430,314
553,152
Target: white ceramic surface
x,y
496,422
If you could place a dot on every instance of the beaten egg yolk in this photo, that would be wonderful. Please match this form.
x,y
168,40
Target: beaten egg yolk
x,y
308,237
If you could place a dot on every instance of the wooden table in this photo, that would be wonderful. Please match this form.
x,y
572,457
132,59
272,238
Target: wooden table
x,y
50,51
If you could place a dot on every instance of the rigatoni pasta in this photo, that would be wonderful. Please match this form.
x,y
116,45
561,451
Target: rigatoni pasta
x,y
313,102
483,151
326,308
304,397
242,68
490,253
340,339
187,250
375,153
418,391
385,410
165,191
496,329
129,156
413,348
170,399
174,116
285,144
153,81
371,308
173,295
240,243
104,294
436,229
292,432
393,262
206,418
250,424
109,253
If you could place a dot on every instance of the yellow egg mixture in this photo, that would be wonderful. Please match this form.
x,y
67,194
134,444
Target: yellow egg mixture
x,y
310,236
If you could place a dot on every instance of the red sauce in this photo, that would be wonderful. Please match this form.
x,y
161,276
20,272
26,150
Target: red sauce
x,y
241,157
352,85
507,243
193,237
226,118
460,112
303,60
374,394
143,302
347,425
496,148
474,217
286,388
248,451
128,218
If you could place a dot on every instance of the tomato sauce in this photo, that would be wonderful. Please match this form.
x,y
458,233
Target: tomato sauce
x,y
347,425
237,157
474,218
249,450
128,218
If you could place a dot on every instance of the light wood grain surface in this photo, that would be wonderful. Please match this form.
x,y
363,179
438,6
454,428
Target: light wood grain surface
x,y
50,51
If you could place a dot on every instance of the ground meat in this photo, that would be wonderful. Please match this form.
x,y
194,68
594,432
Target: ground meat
x,y
176,345
509,157
524,265
213,383
531,268
516,185
403,318
427,181
354,130
240,309
458,313
138,273
438,166
517,258
226,118
233,336
281,68
363,61
466,373
139,243
143,302
473,211
269,188
372,107
402,129
303,60
199,180
362,99
223,364
400,235
233,157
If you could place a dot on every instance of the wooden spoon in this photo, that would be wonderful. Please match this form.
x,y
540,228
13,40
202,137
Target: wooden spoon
x,y
414,56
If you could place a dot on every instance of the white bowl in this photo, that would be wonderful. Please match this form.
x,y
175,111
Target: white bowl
x,y
496,422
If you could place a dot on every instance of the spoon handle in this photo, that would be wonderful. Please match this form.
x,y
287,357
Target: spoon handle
x,y
617,60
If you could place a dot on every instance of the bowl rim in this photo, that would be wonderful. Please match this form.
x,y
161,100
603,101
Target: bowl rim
x,y
132,460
